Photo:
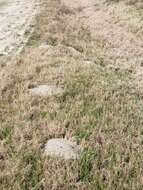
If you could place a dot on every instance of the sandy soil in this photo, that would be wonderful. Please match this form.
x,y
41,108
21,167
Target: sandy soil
x,y
15,17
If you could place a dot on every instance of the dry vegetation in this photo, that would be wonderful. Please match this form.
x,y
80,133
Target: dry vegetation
x,y
99,107
139,3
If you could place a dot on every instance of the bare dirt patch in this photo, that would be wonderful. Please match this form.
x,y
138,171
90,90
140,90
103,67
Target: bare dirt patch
x,y
15,19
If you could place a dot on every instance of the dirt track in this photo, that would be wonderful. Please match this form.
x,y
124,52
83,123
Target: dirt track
x,y
15,17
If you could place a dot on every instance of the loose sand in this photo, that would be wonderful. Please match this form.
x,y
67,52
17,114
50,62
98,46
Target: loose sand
x,y
15,18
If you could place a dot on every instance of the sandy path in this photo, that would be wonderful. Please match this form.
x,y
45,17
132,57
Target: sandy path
x,y
119,26
15,17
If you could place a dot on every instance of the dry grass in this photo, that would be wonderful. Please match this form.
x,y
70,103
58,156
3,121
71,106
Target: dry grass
x,y
136,3
99,107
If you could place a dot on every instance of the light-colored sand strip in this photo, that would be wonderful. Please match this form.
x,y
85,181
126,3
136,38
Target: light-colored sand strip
x,y
15,19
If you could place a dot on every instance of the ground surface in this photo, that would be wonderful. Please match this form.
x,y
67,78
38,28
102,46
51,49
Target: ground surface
x,y
15,17
93,50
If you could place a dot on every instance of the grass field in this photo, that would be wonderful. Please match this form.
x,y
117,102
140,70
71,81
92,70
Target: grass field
x,y
99,107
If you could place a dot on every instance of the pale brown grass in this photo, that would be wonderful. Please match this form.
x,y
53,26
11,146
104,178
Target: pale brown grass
x,y
100,107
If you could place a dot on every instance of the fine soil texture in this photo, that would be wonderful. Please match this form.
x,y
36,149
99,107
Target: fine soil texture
x,y
15,20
